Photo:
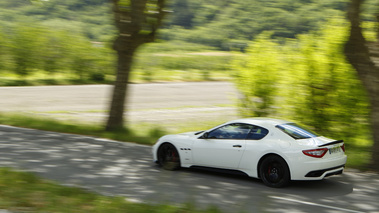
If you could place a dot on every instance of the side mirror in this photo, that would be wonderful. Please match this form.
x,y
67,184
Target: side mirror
x,y
205,135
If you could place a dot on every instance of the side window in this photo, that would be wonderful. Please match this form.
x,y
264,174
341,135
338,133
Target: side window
x,y
257,133
231,131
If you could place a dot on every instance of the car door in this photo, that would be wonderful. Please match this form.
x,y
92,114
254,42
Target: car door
x,y
222,147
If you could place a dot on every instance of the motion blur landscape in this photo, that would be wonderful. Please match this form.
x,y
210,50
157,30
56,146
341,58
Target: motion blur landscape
x,y
203,63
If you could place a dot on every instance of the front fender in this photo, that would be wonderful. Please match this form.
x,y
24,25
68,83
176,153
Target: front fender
x,y
182,144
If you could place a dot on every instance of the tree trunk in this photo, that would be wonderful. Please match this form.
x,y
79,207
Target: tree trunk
x,y
137,22
120,90
360,54
375,129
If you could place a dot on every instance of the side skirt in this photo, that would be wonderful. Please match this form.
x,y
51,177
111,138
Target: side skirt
x,y
217,170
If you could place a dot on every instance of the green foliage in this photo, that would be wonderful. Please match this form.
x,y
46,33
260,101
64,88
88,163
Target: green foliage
x,y
307,80
73,37
90,17
332,88
216,23
256,77
3,49
182,16
219,23
53,51
31,48
25,48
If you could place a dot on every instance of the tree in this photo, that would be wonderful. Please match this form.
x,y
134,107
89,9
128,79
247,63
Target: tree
x,y
137,22
255,77
306,79
360,54
3,44
53,50
183,15
26,48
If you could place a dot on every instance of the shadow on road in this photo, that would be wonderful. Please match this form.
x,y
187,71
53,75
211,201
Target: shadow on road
x,y
126,169
330,187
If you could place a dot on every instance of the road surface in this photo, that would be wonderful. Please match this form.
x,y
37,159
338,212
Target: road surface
x,y
155,103
126,169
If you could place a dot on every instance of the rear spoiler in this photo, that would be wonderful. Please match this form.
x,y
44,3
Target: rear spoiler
x,y
331,143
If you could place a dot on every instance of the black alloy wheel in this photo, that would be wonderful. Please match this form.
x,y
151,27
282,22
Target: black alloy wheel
x,y
274,171
168,157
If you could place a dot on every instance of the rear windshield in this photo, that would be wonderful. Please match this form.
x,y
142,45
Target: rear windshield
x,y
296,131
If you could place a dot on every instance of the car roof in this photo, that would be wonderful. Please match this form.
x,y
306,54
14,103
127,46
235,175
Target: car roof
x,y
261,121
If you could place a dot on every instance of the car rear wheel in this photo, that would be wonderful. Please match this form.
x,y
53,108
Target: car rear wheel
x,y
274,171
168,157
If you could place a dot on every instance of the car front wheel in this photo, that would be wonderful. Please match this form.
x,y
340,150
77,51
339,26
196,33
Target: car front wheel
x,y
168,157
274,171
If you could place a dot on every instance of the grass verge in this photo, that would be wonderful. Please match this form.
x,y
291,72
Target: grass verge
x,y
147,136
25,192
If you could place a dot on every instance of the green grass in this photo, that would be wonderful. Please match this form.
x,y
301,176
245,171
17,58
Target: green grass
x,y
25,192
58,80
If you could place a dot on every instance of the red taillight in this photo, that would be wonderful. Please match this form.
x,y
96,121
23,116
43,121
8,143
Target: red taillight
x,y
316,153
343,147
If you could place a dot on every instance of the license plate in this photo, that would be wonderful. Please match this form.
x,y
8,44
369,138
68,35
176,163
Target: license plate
x,y
334,150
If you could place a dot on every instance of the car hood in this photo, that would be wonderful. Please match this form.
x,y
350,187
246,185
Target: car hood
x,y
317,141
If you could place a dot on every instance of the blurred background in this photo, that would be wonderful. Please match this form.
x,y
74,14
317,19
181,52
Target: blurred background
x,y
212,61
284,57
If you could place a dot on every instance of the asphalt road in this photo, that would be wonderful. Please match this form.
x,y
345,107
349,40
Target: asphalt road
x,y
155,103
126,169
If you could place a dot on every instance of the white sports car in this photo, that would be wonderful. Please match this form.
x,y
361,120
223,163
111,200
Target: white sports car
x,y
275,151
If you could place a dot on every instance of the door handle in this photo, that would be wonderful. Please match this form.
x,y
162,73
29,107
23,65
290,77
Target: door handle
x,y
237,146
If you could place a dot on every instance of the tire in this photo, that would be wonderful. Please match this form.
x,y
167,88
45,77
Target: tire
x,y
168,157
274,171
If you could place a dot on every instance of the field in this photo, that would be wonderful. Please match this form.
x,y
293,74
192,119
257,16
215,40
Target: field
x,y
156,62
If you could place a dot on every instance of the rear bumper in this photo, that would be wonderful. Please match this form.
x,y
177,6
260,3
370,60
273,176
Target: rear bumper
x,y
326,172
317,169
